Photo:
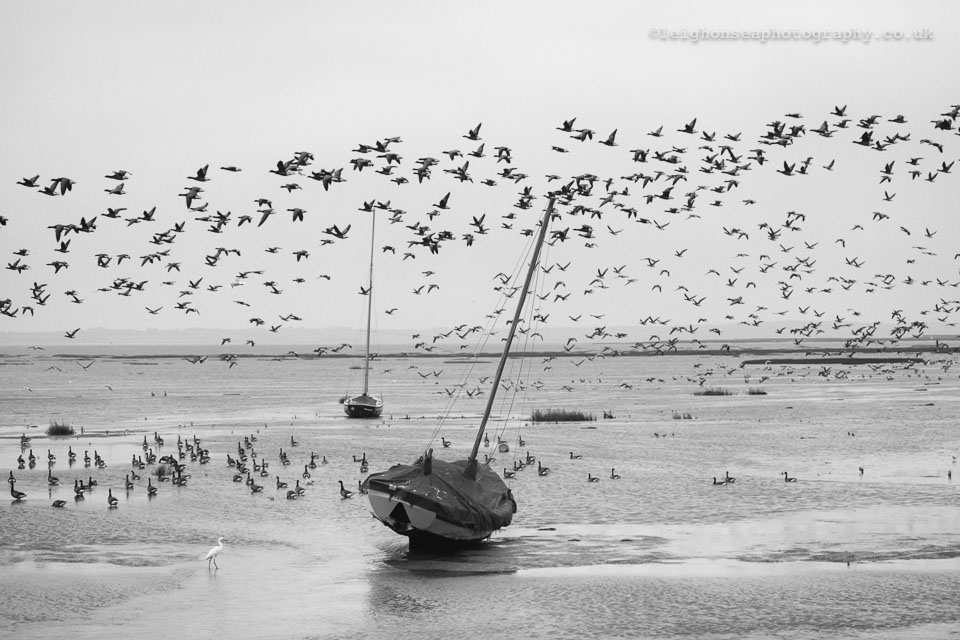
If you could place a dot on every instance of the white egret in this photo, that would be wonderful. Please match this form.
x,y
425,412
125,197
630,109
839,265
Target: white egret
x,y
214,552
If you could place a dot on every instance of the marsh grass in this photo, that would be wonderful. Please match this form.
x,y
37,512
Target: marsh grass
x,y
560,415
59,429
712,391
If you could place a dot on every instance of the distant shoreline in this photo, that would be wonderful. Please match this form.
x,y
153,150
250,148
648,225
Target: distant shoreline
x,y
822,355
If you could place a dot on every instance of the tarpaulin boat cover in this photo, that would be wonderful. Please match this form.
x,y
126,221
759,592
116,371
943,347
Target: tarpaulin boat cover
x,y
449,490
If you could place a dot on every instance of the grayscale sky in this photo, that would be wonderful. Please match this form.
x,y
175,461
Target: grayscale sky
x,y
161,89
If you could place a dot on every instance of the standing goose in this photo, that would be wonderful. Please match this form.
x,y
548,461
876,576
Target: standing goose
x,y
17,495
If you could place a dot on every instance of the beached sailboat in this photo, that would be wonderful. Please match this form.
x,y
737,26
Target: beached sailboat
x,y
365,405
437,503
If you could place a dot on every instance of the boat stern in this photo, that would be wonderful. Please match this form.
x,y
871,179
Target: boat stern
x,y
363,406
398,515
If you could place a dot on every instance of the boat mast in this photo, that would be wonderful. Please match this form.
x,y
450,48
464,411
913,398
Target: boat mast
x,y
366,357
544,223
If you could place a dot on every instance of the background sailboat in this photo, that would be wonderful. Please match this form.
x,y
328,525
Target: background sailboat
x,y
365,405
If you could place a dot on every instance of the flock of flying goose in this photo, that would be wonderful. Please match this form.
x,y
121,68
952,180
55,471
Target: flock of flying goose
x,y
682,180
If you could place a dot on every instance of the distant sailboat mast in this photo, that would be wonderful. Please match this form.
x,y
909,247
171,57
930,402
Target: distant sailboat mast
x,y
365,405
366,358
544,223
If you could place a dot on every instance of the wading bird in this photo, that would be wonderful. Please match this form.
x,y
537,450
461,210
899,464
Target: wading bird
x,y
214,552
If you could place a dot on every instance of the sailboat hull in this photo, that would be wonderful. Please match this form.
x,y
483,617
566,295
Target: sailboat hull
x,y
437,505
363,406
421,525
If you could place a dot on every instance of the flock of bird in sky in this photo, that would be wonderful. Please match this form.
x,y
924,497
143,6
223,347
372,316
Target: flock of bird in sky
x,y
688,186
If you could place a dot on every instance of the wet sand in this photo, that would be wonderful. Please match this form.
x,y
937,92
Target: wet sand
x,y
660,553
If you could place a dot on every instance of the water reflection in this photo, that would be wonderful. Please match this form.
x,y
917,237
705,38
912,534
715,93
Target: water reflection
x,y
492,557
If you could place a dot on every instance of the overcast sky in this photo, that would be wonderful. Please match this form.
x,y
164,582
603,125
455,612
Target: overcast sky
x,y
162,89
